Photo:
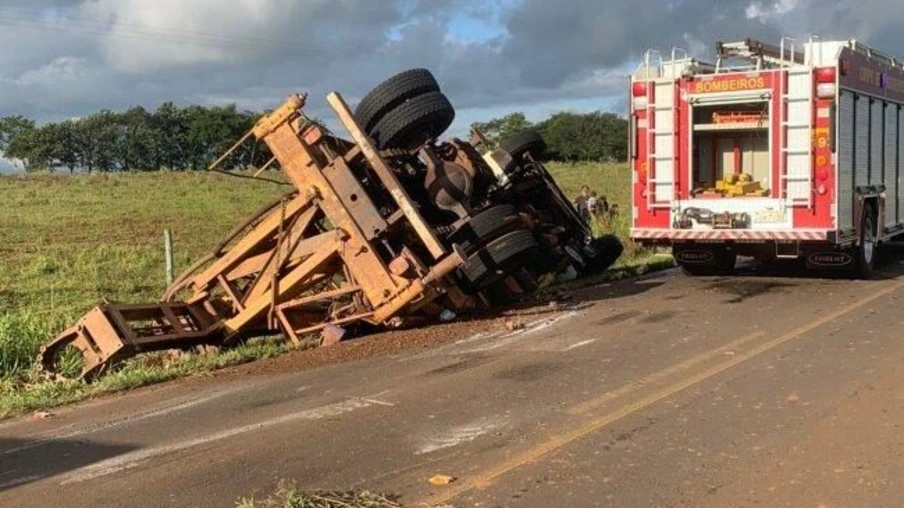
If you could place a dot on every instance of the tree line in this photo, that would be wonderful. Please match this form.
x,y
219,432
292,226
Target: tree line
x,y
596,136
189,138
171,137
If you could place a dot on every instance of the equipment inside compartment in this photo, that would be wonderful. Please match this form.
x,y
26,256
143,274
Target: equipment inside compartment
x,y
732,151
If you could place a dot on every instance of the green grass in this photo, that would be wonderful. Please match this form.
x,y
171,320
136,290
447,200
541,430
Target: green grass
x,y
289,496
68,241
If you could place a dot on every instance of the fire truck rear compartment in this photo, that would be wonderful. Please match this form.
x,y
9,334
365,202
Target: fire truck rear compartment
x,y
731,150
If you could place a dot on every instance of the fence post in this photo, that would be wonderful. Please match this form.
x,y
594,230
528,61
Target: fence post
x,y
168,252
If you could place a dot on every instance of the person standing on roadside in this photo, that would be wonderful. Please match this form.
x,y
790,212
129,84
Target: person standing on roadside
x,y
580,203
602,208
592,205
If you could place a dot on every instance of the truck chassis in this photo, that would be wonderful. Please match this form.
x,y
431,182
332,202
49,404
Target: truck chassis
x,y
389,228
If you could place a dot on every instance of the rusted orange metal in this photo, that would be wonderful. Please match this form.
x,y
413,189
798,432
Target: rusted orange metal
x,y
311,263
388,226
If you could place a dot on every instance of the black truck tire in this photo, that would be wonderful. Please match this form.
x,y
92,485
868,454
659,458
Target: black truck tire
x,y
486,226
414,122
522,143
602,253
391,93
498,258
867,249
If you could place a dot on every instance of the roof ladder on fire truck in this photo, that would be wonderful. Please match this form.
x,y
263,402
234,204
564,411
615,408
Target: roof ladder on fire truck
x,y
662,153
763,53
796,115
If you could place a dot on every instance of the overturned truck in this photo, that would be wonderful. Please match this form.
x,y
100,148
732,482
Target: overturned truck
x,y
389,227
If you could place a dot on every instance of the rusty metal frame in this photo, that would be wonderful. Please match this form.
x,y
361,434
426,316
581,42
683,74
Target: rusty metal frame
x,y
312,252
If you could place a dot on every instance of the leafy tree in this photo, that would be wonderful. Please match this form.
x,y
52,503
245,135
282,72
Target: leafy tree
x,y
12,127
593,136
137,141
190,138
68,154
499,129
95,137
171,125
570,136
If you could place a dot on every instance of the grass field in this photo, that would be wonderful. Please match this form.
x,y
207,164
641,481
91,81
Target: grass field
x,y
68,241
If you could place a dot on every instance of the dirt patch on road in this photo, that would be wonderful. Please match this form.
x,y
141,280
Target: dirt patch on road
x,y
431,335
393,342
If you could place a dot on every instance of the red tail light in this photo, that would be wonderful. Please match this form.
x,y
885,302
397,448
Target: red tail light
x,y
825,82
826,75
639,90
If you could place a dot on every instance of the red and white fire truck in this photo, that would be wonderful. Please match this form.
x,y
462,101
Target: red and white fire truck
x,y
775,152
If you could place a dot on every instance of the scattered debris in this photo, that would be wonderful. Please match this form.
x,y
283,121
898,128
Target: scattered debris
x,y
396,322
546,281
332,335
41,415
568,275
513,325
447,316
441,480
288,495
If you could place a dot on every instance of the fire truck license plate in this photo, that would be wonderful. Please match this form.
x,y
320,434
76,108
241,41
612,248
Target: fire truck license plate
x,y
770,217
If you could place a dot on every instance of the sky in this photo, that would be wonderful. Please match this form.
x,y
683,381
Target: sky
x,y
66,58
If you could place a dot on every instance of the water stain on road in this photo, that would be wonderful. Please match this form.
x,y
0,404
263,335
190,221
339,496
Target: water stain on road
x,y
659,317
529,373
742,290
461,366
618,318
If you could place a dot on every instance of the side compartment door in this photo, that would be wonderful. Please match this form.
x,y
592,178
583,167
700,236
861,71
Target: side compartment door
x,y
846,150
891,164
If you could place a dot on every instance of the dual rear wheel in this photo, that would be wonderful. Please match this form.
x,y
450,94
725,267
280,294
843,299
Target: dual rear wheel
x,y
405,111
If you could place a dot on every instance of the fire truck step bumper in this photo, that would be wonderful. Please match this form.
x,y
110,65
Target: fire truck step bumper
x,y
730,235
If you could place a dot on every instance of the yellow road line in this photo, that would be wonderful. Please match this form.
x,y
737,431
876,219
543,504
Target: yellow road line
x,y
590,405
556,442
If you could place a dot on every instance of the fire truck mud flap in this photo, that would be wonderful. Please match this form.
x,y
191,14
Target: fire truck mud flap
x,y
830,260
702,259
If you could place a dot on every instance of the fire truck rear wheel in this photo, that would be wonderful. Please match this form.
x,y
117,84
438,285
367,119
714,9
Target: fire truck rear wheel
x,y
867,248
393,92
415,122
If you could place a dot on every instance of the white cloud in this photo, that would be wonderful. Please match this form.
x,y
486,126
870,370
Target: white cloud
x,y
62,71
771,11
146,36
72,57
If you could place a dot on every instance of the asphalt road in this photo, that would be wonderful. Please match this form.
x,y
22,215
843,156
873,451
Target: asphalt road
x,y
752,390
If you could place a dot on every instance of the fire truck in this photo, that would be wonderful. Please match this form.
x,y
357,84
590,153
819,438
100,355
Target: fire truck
x,y
777,152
